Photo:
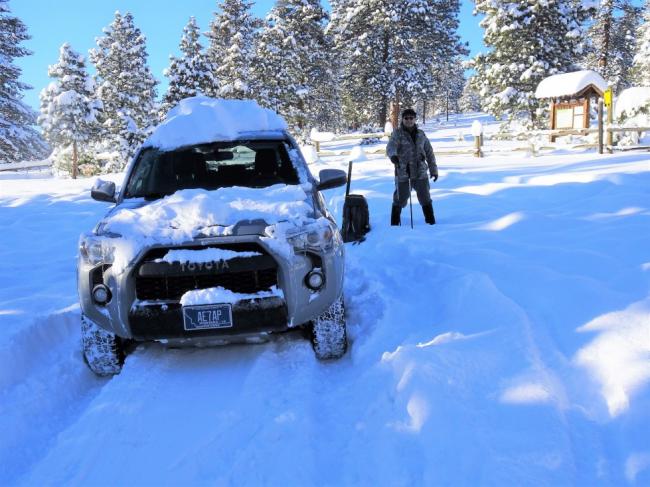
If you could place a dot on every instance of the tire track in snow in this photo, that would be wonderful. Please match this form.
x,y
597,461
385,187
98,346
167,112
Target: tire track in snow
x,y
44,386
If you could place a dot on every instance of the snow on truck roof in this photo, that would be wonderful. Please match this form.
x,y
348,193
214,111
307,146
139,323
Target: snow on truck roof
x,y
567,84
200,119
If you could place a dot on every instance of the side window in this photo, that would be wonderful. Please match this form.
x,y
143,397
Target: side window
x,y
141,175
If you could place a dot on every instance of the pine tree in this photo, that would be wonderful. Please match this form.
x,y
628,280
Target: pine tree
x,y
529,41
294,70
192,73
231,48
449,82
388,48
19,141
470,100
69,110
642,52
126,88
610,49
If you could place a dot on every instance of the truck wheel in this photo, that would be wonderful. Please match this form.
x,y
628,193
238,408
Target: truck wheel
x,y
329,337
103,351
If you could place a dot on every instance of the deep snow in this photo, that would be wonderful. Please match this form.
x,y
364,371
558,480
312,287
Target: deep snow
x,y
507,345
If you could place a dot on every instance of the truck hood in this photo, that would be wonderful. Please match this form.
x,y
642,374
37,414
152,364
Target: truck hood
x,y
192,214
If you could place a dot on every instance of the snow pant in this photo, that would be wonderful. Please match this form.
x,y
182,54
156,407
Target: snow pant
x,y
401,194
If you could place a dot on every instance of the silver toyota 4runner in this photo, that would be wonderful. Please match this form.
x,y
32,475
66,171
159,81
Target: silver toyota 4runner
x,y
226,281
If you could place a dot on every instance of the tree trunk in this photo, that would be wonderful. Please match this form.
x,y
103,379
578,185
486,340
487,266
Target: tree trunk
x,y
74,160
384,99
447,104
383,112
394,112
424,111
607,27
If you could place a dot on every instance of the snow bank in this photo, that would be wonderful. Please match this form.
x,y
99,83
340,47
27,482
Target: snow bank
x,y
220,295
358,154
630,102
317,136
185,214
569,83
201,119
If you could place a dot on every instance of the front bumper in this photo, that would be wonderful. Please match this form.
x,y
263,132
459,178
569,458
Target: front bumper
x,y
161,319
151,321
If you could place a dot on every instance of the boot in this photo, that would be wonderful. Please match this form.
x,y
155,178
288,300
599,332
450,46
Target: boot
x,y
395,216
428,214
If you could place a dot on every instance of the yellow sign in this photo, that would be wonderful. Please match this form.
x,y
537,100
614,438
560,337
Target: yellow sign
x,y
608,97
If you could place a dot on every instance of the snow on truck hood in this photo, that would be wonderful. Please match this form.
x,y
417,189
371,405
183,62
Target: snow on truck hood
x,y
200,120
192,213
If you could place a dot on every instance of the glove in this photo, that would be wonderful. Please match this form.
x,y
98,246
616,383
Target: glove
x,y
434,174
394,160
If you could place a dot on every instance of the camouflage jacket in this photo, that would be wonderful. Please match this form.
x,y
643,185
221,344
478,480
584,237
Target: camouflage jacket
x,y
419,155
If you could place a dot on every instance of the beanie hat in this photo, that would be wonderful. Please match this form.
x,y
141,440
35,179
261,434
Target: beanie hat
x,y
408,111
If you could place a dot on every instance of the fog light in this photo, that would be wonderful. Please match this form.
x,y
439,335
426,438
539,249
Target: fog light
x,y
101,294
315,280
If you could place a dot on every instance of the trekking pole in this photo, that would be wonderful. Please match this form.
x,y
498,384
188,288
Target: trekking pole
x,y
397,190
408,173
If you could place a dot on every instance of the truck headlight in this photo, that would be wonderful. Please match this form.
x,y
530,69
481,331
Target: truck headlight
x,y
96,250
316,238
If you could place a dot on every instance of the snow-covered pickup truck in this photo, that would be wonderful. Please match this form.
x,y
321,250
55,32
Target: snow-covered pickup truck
x,y
219,234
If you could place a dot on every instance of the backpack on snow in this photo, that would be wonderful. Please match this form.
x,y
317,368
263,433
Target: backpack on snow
x,y
356,217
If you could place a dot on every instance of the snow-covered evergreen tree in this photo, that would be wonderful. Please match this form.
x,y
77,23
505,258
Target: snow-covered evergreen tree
x,y
449,81
231,47
610,49
69,110
470,100
19,141
529,41
642,52
190,74
126,88
294,69
388,48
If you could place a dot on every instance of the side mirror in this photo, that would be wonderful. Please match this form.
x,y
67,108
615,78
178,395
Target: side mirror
x,y
331,178
103,191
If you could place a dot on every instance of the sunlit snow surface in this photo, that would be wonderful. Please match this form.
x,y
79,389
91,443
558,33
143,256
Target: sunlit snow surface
x,y
507,345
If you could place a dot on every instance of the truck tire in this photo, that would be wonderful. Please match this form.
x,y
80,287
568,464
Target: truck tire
x,y
328,334
103,351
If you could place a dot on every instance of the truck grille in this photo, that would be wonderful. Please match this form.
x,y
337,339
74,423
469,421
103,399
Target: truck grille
x,y
159,281
173,287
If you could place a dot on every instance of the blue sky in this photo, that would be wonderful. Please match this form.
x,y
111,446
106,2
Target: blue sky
x,y
79,22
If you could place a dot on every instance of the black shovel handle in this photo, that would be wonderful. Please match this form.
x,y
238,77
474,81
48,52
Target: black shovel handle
x,y
347,186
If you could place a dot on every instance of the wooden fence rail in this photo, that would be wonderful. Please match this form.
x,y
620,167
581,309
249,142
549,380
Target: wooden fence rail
x,y
14,166
479,149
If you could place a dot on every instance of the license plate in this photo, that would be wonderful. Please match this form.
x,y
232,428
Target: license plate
x,y
206,317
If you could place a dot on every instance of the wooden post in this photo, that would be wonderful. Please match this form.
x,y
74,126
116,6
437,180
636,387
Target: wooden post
x,y
74,160
610,134
477,144
551,138
317,144
600,125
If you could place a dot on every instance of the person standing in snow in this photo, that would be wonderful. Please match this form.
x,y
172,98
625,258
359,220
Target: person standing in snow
x,y
412,156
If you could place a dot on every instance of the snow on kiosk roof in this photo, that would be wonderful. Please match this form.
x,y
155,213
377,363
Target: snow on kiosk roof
x,y
200,119
574,85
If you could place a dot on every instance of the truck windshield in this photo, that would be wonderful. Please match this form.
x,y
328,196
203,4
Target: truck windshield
x,y
253,164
